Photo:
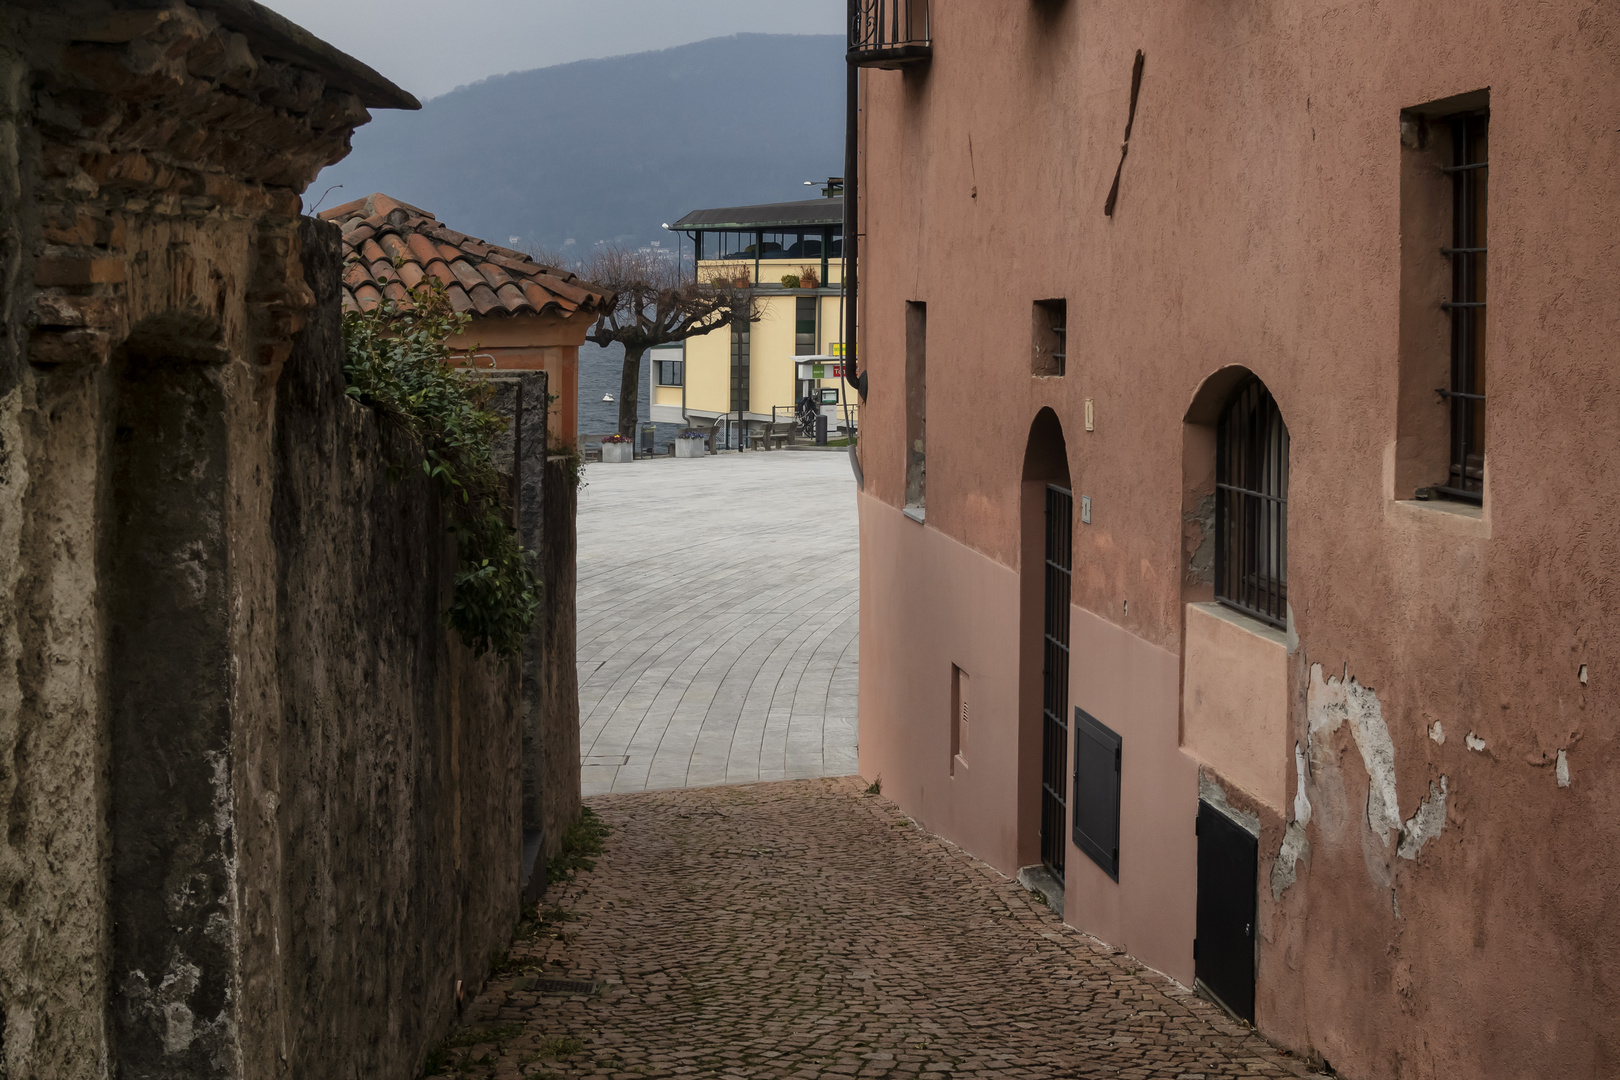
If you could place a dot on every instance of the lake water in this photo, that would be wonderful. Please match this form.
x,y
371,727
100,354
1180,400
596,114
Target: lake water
x,y
599,373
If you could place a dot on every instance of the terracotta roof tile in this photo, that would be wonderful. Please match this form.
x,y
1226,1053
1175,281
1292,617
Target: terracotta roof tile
x,y
391,246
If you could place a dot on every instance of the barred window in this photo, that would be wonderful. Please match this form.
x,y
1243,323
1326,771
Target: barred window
x,y
1251,506
1465,397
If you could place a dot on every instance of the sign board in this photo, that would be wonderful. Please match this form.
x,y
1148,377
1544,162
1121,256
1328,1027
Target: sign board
x,y
820,367
836,348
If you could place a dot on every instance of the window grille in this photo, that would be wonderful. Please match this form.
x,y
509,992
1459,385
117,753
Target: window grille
x,y
671,372
1465,397
1055,676
1251,506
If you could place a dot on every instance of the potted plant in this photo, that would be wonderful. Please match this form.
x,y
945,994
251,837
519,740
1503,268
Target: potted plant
x,y
809,278
790,281
691,443
618,448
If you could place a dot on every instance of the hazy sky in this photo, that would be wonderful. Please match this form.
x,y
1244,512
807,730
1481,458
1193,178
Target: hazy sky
x,y
431,46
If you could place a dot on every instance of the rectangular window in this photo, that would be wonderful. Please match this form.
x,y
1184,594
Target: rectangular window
x,y
733,245
804,325
671,372
792,245
1050,338
916,405
1440,422
1097,761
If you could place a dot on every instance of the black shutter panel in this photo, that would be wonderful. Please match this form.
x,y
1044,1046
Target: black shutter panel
x,y
1097,760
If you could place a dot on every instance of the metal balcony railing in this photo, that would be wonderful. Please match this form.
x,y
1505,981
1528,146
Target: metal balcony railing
x,y
889,33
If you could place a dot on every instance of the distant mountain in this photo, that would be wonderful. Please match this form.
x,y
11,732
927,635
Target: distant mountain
x,y
606,150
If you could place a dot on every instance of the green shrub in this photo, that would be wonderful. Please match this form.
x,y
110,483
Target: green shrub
x,y
397,360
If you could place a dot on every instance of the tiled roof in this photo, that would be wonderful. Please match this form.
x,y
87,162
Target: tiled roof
x,y
481,279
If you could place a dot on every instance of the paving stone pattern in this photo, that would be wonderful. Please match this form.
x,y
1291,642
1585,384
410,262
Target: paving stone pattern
x,y
807,929
718,615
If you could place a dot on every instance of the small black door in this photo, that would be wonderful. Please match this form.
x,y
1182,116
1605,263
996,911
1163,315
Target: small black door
x,y
1223,952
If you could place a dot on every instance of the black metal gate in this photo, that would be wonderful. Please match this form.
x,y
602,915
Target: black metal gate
x,y
1055,679
1223,951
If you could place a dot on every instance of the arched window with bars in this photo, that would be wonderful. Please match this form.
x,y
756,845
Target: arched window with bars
x,y
1251,505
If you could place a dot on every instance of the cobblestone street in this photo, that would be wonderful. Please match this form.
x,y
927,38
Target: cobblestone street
x,y
806,928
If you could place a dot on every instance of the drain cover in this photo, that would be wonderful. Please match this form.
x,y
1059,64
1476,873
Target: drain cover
x,y
564,986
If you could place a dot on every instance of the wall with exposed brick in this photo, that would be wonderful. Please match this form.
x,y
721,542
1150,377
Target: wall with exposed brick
x,y
260,809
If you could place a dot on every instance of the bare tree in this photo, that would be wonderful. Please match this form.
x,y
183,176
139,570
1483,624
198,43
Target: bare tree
x,y
657,304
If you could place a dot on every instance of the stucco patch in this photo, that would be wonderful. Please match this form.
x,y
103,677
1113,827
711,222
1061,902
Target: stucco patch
x,y
1561,770
1474,742
1437,733
1285,868
1295,846
1302,804
1333,701
1425,824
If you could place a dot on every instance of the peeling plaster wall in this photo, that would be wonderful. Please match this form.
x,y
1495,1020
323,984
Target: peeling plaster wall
x,y
1435,901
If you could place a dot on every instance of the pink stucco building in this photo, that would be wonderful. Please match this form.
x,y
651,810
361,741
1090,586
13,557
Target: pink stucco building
x,y
1220,552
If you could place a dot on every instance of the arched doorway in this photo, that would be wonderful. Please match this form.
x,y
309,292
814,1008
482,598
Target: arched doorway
x,y
1046,565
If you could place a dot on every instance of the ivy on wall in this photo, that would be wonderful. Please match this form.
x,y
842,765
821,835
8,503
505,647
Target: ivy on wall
x,y
397,360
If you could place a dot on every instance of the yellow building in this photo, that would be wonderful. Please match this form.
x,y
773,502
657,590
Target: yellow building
x,y
742,379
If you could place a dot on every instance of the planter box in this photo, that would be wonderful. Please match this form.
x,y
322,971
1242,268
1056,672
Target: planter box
x,y
691,447
618,451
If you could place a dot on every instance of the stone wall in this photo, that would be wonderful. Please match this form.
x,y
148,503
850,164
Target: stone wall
x,y
397,832
259,811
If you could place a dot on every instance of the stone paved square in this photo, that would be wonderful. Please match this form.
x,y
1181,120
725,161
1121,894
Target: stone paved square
x,y
718,618
808,929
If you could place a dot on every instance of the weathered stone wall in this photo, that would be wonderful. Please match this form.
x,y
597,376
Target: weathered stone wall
x,y
259,811
395,869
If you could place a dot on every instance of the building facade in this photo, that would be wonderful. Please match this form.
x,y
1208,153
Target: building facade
x,y
747,376
1223,560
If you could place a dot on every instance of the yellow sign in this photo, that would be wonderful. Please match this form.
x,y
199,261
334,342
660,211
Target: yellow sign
x,y
836,348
